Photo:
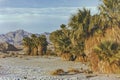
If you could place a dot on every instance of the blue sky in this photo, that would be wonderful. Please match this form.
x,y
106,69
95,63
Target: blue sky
x,y
38,16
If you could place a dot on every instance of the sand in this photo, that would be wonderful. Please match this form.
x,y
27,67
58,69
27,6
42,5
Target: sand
x,y
39,68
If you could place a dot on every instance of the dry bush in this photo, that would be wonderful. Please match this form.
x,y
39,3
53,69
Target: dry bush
x,y
73,71
3,56
81,59
66,56
12,54
91,75
57,72
87,71
106,67
50,53
20,56
94,60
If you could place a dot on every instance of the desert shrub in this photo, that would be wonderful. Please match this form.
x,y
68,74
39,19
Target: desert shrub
x,y
73,71
50,53
57,72
87,71
91,75
67,57
3,56
81,58
20,56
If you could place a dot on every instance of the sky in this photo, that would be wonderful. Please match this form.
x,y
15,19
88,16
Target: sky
x,y
38,16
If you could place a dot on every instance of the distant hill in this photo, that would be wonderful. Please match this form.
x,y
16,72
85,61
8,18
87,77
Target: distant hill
x,y
15,37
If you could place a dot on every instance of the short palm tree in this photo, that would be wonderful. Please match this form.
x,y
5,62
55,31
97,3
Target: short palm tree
x,y
27,45
108,51
34,45
42,44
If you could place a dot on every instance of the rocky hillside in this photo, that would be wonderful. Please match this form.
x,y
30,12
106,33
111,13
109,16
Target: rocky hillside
x,y
7,47
16,37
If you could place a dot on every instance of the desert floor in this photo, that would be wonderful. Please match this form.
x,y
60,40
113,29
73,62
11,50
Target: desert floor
x,y
39,68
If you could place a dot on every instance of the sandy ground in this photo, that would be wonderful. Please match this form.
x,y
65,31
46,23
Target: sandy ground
x,y
39,68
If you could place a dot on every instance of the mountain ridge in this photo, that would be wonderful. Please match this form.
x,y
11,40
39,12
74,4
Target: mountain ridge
x,y
15,37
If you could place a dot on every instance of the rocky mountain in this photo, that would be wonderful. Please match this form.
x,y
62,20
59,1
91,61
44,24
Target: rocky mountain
x,y
16,37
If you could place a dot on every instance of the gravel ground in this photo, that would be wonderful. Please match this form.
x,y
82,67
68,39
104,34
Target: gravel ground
x,y
39,68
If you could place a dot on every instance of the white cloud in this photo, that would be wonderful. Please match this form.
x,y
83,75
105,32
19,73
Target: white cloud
x,y
47,11
41,18
27,13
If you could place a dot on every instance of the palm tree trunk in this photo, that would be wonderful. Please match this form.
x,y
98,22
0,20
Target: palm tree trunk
x,y
27,50
40,50
35,51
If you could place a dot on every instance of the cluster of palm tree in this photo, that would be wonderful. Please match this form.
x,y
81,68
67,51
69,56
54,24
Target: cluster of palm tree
x,y
71,38
35,45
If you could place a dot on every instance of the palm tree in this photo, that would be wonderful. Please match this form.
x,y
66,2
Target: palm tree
x,y
109,11
79,26
109,57
61,40
34,45
27,45
108,51
42,44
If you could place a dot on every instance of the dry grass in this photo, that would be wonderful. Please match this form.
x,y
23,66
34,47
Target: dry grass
x,y
10,54
81,59
91,75
57,72
88,71
73,71
3,56
70,71
66,57
20,56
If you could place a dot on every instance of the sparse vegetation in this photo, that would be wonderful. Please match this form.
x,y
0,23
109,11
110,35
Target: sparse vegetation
x,y
57,72
71,71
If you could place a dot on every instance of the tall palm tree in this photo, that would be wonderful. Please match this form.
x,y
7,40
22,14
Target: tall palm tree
x,y
61,40
79,25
